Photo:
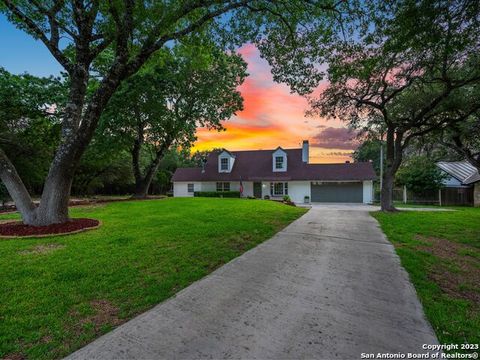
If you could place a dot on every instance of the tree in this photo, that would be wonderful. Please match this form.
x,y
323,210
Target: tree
x,y
420,174
132,31
173,159
189,86
397,76
464,138
29,126
105,167
369,150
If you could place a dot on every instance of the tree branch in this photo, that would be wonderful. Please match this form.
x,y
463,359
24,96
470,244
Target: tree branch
x,y
33,27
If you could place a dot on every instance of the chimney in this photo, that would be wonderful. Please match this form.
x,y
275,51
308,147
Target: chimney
x,y
204,161
305,154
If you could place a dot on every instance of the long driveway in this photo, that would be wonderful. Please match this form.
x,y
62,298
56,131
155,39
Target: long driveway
x,y
329,286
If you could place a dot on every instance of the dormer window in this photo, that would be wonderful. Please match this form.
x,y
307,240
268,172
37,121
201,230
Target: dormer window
x,y
278,162
224,163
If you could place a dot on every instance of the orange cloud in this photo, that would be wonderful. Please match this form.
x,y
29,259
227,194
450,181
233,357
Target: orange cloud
x,y
272,117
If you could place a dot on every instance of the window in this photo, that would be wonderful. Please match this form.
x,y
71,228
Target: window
x,y
223,186
190,188
278,162
224,164
278,189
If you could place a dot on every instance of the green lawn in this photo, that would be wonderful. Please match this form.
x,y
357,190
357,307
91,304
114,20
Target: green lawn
x,y
59,293
441,252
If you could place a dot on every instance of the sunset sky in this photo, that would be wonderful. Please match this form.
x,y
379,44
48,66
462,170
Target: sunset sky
x,y
272,116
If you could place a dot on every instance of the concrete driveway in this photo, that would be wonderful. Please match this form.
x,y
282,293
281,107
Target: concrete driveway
x,y
329,286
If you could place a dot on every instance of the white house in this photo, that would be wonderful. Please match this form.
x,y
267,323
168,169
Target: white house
x,y
277,173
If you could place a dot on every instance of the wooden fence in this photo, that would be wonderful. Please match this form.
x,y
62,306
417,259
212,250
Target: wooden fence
x,y
448,196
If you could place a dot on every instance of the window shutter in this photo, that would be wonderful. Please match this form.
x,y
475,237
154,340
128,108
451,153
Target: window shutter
x,y
286,188
271,189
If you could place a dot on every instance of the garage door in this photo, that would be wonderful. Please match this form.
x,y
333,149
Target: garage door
x,y
338,192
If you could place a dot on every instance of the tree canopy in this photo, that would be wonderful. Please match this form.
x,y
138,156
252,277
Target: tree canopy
x,y
394,77
189,86
78,34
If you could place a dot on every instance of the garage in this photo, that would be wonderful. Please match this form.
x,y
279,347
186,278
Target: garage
x,y
349,192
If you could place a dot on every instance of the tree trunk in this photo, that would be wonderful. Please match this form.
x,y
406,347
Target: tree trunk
x,y
77,133
141,189
16,189
142,183
394,155
78,127
53,207
386,202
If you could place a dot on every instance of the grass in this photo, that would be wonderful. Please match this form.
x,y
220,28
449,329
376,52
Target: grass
x,y
60,293
441,252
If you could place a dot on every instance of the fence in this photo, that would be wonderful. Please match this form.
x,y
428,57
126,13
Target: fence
x,y
449,196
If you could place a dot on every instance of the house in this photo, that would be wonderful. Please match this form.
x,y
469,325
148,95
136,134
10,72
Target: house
x,y
462,185
277,173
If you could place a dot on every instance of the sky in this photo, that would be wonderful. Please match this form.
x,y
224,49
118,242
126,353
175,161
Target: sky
x,y
272,115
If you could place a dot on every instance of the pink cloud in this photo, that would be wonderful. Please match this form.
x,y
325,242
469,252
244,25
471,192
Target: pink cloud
x,y
336,138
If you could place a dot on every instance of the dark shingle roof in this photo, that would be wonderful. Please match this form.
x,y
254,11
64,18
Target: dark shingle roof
x,y
256,165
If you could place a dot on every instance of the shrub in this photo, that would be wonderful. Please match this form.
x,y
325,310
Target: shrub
x,y
306,199
225,194
286,198
267,197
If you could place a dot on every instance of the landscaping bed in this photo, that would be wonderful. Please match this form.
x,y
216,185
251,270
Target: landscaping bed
x,y
441,252
18,229
59,293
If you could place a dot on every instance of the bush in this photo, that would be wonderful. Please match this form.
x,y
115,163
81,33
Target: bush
x,y
287,198
306,199
225,194
267,197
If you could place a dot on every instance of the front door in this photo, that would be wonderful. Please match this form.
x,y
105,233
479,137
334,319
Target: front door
x,y
257,190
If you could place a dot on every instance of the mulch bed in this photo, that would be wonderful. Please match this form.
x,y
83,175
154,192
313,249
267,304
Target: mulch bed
x,y
17,228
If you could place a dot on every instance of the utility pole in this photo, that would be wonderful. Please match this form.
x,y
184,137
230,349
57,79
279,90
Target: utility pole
x,y
381,169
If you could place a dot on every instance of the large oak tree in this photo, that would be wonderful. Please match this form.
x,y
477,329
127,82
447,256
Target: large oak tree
x,y
159,108
394,76
77,32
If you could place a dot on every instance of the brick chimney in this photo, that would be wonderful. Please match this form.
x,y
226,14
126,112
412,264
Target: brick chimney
x,y
305,151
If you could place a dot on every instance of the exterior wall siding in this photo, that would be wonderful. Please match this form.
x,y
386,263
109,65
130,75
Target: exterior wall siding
x,y
368,192
450,181
297,190
180,188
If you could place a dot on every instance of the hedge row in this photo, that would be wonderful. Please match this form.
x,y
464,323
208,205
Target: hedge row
x,y
225,194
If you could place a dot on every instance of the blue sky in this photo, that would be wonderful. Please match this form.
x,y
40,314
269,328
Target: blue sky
x,y
19,52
